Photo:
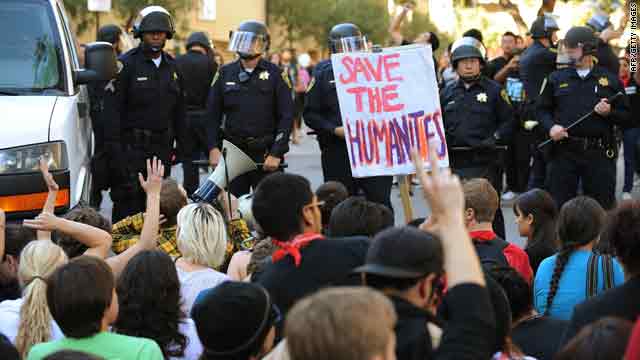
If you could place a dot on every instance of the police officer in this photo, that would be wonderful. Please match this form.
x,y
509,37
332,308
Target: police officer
x,y
254,97
99,163
322,114
146,101
587,152
197,68
477,115
536,63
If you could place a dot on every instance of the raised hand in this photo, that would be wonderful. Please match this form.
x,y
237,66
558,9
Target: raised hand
x,y
48,178
44,222
155,174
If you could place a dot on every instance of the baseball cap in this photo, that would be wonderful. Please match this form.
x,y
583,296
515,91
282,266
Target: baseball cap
x,y
403,253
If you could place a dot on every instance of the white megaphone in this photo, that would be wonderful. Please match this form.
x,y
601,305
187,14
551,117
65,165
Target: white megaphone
x,y
233,163
244,209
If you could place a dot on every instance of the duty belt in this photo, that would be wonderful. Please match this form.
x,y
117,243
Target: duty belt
x,y
589,143
250,143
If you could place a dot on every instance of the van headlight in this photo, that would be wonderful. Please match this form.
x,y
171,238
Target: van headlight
x,y
25,159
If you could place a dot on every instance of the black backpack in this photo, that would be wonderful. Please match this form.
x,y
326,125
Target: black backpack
x,y
491,253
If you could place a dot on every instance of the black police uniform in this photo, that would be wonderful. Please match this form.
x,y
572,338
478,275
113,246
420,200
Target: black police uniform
x,y
322,114
258,112
536,63
607,58
589,154
197,71
518,154
474,119
146,111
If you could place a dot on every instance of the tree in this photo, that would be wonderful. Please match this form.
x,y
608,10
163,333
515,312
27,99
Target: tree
x,y
126,9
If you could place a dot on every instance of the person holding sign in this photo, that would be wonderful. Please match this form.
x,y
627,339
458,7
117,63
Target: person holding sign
x,y
477,115
584,152
322,114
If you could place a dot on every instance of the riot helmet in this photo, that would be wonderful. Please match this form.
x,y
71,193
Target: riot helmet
x,y
199,38
543,28
468,48
153,19
250,40
347,37
580,37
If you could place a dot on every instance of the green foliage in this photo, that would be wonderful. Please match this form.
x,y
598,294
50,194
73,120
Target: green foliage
x,y
126,9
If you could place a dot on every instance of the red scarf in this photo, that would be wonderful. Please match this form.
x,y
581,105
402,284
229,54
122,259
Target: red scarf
x,y
484,235
293,247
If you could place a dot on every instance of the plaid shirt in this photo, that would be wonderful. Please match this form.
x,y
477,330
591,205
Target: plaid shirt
x,y
126,233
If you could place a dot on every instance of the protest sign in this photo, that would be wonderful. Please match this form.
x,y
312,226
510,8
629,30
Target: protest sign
x,y
389,104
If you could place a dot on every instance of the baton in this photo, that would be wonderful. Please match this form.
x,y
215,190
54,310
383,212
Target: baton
x,y
205,163
577,122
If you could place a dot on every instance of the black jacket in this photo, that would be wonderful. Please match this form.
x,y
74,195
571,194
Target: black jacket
x,y
197,71
474,115
321,107
621,301
254,105
536,63
566,97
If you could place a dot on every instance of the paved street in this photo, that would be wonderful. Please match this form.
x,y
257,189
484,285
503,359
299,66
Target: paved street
x,y
304,159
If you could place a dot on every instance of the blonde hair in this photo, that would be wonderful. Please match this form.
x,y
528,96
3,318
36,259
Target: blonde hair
x,y
201,235
340,324
37,261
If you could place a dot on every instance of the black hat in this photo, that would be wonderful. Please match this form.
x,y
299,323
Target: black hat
x,y
466,48
347,31
198,38
403,253
151,19
109,33
233,318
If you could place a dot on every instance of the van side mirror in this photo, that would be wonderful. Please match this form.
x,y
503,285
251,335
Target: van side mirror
x,y
100,63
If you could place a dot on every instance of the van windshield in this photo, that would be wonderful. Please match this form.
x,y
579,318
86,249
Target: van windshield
x,y
30,48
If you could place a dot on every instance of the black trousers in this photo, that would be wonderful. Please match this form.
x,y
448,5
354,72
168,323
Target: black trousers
x,y
126,193
192,146
591,168
244,183
336,167
518,160
477,164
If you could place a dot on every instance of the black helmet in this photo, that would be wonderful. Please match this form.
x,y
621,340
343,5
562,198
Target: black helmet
x,y
581,36
467,48
599,22
250,40
543,27
199,38
109,33
153,19
347,38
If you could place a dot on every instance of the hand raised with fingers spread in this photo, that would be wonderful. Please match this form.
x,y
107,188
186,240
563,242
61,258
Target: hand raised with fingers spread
x,y
44,222
48,178
155,174
442,190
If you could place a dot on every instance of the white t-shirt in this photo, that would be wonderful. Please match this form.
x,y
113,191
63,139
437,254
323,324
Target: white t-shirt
x,y
194,347
583,72
10,321
192,283
157,61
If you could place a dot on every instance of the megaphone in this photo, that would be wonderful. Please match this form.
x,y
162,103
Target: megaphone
x,y
233,164
244,208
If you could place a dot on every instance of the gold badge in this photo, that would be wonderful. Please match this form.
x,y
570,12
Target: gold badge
x,y
563,85
264,75
482,97
603,81
175,76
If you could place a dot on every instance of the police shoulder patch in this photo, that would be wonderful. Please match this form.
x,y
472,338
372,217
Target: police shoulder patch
x,y
286,79
215,78
311,84
505,96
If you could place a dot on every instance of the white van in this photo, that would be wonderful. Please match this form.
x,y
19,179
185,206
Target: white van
x,y
44,109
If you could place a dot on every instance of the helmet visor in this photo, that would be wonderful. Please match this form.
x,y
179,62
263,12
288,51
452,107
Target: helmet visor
x,y
247,43
351,44
469,41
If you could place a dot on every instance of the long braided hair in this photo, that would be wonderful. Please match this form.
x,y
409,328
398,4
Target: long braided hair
x,y
579,223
